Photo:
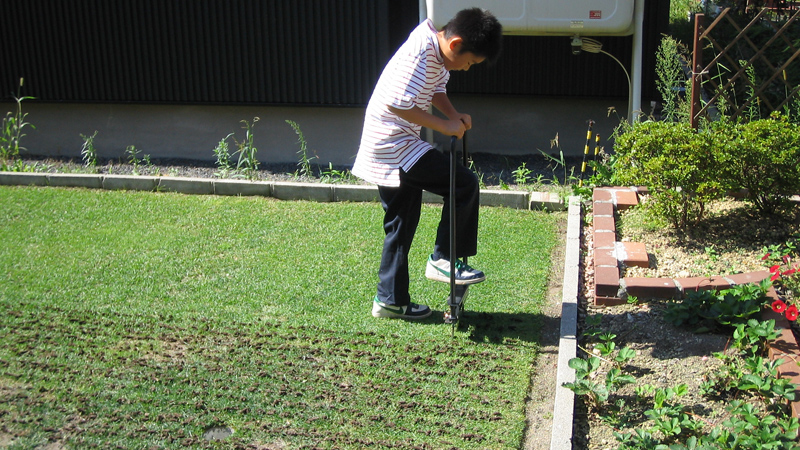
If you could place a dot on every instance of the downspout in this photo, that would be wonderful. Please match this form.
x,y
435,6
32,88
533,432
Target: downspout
x,y
423,14
635,96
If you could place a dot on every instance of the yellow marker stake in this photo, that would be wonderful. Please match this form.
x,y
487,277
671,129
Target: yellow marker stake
x,y
586,151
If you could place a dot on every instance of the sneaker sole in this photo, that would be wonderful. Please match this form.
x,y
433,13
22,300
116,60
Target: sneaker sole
x,y
389,315
382,313
433,274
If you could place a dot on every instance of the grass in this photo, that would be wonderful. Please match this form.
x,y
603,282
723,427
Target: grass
x,y
139,320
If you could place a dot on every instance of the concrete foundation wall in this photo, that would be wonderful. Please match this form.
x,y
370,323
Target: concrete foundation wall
x,y
502,125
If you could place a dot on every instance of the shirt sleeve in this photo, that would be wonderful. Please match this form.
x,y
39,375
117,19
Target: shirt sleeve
x,y
407,82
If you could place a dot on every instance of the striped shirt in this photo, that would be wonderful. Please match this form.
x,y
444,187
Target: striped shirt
x,y
411,78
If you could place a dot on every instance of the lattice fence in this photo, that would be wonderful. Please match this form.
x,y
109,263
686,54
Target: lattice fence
x,y
752,70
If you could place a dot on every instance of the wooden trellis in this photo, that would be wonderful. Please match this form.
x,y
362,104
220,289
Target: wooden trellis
x,y
721,90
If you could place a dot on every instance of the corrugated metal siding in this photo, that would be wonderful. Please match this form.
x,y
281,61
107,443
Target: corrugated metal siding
x,y
533,65
536,65
313,52
209,51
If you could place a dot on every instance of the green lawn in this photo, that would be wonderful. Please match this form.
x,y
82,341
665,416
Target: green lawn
x,y
138,320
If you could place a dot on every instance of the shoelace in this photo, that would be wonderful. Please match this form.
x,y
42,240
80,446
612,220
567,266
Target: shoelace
x,y
460,266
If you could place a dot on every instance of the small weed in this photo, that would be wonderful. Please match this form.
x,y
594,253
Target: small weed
x,y
305,161
522,175
248,162
88,151
133,158
331,175
567,173
12,132
224,163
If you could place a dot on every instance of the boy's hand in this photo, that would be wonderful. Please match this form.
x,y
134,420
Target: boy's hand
x,y
466,119
454,127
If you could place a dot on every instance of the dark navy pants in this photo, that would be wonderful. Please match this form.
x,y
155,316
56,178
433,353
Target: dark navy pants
x,y
403,206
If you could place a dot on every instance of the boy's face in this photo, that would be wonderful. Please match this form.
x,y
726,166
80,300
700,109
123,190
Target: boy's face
x,y
455,59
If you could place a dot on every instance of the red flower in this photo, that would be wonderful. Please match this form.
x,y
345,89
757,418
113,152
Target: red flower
x,y
775,269
778,306
792,313
763,258
790,271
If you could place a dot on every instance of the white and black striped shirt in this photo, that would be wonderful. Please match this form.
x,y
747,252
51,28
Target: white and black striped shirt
x,y
411,78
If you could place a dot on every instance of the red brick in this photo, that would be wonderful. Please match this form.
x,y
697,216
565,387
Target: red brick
x,y
633,254
785,347
694,284
605,257
625,199
651,287
749,277
604,223
604,239
609,301
602,195
606,281
603,209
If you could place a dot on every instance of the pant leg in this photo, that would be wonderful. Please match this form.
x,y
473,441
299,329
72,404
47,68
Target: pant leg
x,y
432,173
402,212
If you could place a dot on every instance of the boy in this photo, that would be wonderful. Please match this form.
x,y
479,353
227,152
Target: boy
x,y
393,156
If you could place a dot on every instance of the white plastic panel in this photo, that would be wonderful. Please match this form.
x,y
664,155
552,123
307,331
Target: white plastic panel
x,y
547,17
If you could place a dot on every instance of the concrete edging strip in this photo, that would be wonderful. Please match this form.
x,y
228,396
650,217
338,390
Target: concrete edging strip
x,y
564,410
320,192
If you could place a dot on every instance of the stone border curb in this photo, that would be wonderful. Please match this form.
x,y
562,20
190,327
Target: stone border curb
x,y
319,192
564,410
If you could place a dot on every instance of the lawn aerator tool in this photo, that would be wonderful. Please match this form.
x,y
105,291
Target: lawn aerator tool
x,y
458,292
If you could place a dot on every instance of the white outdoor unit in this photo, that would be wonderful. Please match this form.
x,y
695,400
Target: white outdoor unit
x,y
547,17
574,18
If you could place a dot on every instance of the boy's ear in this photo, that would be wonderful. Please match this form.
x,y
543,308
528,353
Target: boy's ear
x,y
455,44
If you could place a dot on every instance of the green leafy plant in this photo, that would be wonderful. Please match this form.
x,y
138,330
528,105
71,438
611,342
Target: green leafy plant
x,y
12,133
305,159
522,174
676,163
757,416
708,309
761,156
589,369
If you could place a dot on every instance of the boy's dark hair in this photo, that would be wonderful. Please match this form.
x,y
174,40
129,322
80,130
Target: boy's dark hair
x,y
479,29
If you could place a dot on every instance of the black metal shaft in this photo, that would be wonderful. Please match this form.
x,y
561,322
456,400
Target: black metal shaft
x,y
452,217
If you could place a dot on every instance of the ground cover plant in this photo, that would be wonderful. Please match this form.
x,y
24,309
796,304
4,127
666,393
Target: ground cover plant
x,y
139,320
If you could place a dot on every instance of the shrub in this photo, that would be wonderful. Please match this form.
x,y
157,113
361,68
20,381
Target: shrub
x,y
763,158
676,163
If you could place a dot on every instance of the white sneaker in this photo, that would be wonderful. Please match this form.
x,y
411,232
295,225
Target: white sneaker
x,y
411,311
439,270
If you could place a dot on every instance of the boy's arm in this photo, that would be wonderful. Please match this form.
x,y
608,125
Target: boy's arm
x,y
442,102
455,124
448,127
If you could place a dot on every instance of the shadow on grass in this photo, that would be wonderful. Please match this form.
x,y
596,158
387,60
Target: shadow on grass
x,y
503,328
